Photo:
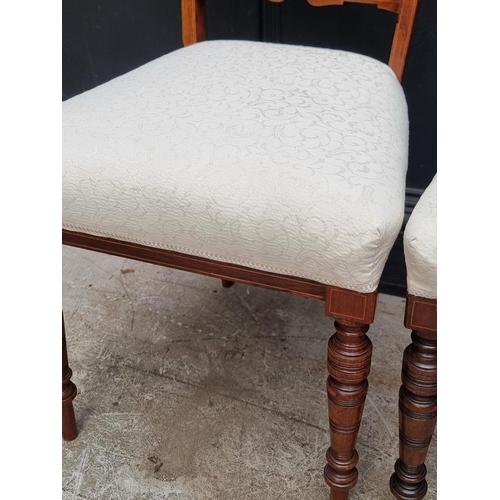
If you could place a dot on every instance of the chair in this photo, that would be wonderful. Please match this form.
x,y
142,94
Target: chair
x,y
418,394
273,165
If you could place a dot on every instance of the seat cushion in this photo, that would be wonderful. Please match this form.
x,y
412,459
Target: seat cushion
x,y
282,158
420,245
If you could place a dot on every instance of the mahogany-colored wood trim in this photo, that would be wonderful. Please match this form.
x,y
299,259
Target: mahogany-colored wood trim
x,y
340,303
193,21
402,35
193,24
200,265
69,430
349,305
421,314
392,5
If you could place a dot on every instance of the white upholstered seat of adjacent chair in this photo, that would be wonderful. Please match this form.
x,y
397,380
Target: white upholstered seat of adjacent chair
x,y
281,158
420,245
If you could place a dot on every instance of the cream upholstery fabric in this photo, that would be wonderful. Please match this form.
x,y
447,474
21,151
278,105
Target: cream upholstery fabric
x,y
282,158
420,245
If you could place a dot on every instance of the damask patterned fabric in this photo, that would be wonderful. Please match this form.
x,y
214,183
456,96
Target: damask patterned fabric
x,y
282,158
420,245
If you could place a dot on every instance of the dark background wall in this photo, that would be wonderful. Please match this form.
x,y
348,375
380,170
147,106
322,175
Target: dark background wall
x,y
102,39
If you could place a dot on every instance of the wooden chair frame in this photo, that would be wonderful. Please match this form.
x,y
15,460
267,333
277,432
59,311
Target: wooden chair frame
x,y
417,399
349,348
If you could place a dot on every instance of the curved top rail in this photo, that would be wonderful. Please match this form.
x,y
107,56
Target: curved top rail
x,y
392,5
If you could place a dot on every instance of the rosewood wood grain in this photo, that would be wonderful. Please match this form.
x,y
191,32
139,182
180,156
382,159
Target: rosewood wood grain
x,y
421,314
349,358
351,306
392,5
200,265
193,24
402,36
69,430
417,401
193,21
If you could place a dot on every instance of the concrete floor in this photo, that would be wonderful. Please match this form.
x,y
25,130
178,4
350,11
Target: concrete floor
x,y
188,391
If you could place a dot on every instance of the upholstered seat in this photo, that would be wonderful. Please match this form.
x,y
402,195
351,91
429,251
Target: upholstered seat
x,y
420,245
281,158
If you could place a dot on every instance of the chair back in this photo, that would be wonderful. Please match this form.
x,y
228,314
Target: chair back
x,y
193,24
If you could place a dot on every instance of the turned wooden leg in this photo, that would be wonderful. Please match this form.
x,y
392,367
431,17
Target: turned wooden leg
x,y
349,357
417,416
227,283
69,431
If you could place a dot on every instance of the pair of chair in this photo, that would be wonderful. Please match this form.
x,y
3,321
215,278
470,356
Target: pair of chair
x,y
278,166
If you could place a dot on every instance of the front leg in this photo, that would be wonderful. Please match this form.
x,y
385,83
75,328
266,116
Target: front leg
x,y
349,358
69,431
417,416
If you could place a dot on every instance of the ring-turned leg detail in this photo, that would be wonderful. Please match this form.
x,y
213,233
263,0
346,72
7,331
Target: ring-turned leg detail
x,y
417,416
349,358
69,431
